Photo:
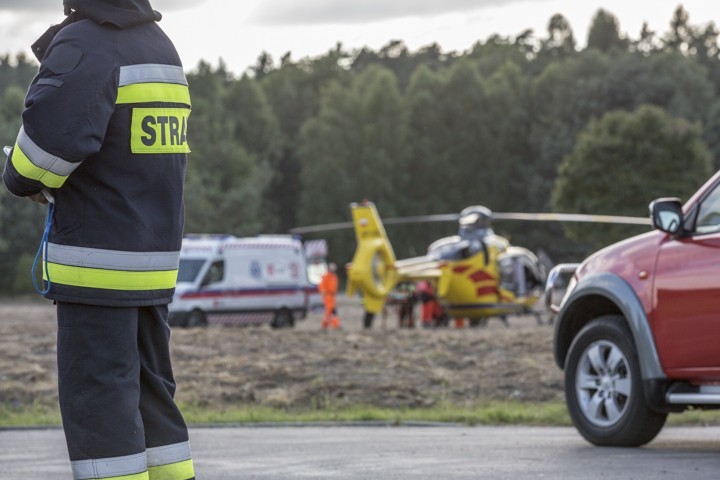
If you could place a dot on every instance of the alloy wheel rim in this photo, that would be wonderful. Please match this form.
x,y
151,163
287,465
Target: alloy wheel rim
x,y
603,383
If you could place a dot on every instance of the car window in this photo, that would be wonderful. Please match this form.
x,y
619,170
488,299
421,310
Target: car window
x,y
708,219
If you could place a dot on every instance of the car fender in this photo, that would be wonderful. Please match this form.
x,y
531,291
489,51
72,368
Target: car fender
x,y
603,294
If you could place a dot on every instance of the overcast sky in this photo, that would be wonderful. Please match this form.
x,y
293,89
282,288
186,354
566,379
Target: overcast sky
x,y
238,31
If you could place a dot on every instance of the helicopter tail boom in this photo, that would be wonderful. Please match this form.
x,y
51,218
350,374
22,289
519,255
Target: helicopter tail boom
x,y
373,272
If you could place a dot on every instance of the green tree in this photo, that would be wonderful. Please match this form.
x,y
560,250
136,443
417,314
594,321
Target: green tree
x,y
21,221
227,170
570,93
355,148
560,41
625,160
497,52
711,133
428,152
604,33
681,33
396,57
293,92
17,71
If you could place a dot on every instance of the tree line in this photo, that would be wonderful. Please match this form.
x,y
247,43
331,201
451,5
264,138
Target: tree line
x,y
525,123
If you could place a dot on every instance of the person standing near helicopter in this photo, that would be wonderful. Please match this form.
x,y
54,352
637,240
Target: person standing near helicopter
x,y
328,289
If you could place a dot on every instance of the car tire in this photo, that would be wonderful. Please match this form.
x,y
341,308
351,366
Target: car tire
x,y
283,319
196,318
604,388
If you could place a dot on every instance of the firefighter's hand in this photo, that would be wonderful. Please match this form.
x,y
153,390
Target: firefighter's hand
x,y
39,198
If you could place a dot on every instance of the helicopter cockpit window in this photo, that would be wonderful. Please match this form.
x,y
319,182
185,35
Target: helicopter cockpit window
x,y
708,219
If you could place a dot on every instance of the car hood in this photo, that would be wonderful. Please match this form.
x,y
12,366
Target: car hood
x,y
626,258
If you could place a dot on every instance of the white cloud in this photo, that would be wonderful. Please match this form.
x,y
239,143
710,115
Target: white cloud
x,y
57,5
292,12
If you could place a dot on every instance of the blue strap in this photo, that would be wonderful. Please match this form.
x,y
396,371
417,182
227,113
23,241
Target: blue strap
x,y
42,249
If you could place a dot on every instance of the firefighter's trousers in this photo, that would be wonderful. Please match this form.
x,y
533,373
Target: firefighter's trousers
x,y
116,391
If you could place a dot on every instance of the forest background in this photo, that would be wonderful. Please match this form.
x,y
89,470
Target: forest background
x,y
530,123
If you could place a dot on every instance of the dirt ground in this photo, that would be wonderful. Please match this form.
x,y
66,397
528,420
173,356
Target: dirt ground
x,y
305,367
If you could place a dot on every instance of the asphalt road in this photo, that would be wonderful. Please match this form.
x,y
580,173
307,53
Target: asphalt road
x,y
399,453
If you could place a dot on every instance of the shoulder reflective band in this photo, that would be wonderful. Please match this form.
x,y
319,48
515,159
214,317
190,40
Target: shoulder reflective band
x,y
151,73
112,269
130,467
159,130
151,83
35,163
153,93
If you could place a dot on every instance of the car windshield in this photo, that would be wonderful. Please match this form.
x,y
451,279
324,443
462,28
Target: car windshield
x,y
189,269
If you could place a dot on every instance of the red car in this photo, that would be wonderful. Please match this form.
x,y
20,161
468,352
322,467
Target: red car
x,y
638,329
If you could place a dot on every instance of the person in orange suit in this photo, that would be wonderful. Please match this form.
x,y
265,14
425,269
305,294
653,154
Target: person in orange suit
x,y
328,289
427,297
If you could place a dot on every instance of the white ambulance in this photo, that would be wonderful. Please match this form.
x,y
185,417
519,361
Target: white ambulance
x,y
250,281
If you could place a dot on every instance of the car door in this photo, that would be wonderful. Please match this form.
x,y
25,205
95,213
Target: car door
x,y
686,316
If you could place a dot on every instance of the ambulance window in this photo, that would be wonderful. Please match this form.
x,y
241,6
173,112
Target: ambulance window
x,y
215,273
189,269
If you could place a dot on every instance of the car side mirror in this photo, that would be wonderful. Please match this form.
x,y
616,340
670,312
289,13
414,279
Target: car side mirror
x,y
667,215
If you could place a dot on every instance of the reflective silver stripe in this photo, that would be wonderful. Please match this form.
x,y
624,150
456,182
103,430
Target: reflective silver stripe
x,y
168,454
151,73
40,158
109,467
112,259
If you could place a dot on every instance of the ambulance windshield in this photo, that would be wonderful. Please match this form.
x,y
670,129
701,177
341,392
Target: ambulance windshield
x,y
189,269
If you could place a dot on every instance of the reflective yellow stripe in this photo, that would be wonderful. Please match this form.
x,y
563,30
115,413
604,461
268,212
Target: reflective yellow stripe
x,y
153,92
174,471
29,170
111,279
137,476
159,130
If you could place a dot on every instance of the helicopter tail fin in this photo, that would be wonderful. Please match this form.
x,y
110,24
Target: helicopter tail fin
x,y
372,272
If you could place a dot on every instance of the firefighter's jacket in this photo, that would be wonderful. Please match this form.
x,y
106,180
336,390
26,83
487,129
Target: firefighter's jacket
x,y
104,130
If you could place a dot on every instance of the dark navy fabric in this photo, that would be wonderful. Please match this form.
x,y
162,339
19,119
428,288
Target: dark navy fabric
x,y
115,380
114,200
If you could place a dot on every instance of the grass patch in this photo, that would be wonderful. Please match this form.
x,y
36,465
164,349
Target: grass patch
x,y
489,413
32,415
492,413
695,417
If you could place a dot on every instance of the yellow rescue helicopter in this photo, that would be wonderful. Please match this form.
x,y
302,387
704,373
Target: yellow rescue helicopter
x,y
476,274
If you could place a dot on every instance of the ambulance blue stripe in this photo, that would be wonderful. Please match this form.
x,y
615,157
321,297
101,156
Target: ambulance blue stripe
x,y
241,292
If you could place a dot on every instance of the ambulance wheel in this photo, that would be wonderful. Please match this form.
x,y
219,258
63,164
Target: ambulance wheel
x,y
283,319
196,318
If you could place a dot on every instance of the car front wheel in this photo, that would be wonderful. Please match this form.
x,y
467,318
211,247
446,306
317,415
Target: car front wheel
x,y
604,388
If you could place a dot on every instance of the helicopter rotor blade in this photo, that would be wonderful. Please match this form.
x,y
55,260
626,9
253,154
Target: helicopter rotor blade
x,y
572,217
452,217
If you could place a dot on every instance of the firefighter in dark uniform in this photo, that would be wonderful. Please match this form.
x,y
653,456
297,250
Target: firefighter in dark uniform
x,y
104,135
